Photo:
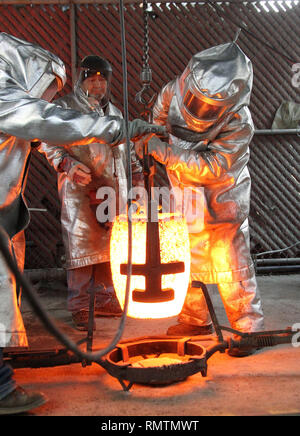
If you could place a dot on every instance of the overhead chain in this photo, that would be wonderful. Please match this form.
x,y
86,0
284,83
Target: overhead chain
x,y
146,73
146,35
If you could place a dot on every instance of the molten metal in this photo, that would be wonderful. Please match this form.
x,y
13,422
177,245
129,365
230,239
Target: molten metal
x,y
174,248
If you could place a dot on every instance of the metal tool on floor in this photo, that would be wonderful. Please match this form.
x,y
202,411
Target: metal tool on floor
x,y
160,360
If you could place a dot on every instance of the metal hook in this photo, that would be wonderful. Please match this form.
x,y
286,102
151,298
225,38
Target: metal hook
x,y
146,79
147,112
139,96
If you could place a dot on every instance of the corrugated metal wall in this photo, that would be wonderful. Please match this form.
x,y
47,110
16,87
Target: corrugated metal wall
x,y
177,31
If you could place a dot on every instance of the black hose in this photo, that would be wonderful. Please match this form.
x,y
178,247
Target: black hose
x,y
42,313
129,169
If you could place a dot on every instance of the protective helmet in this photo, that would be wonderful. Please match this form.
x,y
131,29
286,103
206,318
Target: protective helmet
x,y
90,66
216,81
29,66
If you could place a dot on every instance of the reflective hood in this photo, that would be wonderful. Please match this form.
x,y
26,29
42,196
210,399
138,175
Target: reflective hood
x,y
216,81
28,66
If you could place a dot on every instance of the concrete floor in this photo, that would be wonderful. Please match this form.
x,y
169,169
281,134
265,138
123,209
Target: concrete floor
x,y
266,383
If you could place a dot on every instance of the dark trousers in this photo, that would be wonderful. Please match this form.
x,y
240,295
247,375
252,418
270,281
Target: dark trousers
x,y
84,279
7,383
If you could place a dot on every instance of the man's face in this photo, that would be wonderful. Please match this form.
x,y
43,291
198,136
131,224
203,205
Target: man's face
x,y
95,86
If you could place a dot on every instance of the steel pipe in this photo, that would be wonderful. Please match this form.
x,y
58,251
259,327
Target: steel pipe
x,y
285,261
292,269
277,132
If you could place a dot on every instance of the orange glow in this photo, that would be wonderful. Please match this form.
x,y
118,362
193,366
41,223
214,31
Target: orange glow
x,y
174,247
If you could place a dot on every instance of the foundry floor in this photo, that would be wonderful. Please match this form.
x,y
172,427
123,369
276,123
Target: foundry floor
x,y
266,383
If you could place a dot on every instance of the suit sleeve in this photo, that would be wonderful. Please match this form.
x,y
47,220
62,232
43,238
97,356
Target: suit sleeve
x,y
230,148
162,104
34,119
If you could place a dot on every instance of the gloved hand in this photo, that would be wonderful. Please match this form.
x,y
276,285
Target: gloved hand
x,y
138,128
155,147
76,171
139,145
80,174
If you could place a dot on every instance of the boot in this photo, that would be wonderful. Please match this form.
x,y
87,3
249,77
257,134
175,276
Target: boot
x,y
81,320
19,401
242,352
108,304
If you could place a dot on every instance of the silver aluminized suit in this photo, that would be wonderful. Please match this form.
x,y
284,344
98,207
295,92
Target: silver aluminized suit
x,y
86,240
207,109
26,71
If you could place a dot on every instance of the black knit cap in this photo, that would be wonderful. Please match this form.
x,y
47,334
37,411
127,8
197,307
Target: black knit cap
x,y
92,65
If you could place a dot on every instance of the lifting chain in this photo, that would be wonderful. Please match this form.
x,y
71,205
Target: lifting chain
x,y
146,73
146,68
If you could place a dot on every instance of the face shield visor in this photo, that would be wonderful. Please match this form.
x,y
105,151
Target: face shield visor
x,y
204,96
51,81
202,110
55,86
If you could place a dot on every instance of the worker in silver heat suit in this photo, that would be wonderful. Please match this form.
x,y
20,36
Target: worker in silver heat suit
x,y
94,166
29,78
206,111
